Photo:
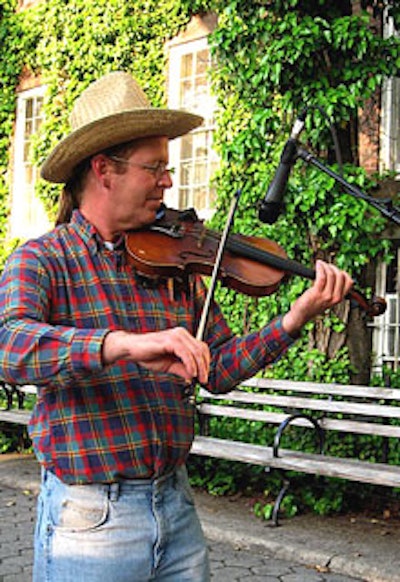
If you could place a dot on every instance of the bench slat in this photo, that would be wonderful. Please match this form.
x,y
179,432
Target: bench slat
x,y
353,470
353,426
15,416
291,402
376,392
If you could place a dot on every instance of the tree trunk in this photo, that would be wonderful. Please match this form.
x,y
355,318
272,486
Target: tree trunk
x,y
359,344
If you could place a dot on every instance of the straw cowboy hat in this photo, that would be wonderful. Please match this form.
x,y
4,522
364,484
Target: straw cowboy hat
x,y
111,111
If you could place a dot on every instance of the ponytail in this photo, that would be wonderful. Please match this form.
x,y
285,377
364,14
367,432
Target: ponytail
x,y
71,194
66,206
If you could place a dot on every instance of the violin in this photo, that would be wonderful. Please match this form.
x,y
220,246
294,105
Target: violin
x,y
178,243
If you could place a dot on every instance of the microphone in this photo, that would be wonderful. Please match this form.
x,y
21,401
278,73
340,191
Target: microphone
x,y
271,206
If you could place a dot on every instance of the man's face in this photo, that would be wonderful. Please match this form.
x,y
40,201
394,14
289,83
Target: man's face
x,y
136,194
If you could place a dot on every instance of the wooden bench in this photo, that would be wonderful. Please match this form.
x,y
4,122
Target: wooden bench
x,y
323,408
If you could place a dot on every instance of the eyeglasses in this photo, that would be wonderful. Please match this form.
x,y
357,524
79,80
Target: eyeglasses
x,y
157,170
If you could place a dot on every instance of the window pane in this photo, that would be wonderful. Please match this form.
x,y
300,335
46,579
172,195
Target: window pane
x,y
200,197
200,172
28,128
183,198
202,63
38,106
391,277
186,174
186,65
186,147
28,108
201,95
200,144
26,151
28,174
186,98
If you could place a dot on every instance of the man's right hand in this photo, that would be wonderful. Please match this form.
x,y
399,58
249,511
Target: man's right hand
x,y
173,351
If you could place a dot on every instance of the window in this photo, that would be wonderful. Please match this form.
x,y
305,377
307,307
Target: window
x,y
386,338
192,155
28,216
390,127
390,157
386,335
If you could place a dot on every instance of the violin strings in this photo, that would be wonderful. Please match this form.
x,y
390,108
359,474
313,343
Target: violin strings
x,y
249,251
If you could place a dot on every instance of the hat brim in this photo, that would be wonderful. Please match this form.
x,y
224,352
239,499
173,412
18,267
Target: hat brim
x,y
113,130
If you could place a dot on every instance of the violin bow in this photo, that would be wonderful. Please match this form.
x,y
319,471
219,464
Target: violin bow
x,y
214,275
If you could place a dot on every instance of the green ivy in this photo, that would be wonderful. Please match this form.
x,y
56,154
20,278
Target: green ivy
x,y
11,61
318,55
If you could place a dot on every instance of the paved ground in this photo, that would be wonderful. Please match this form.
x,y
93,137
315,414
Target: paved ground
x,y
242,548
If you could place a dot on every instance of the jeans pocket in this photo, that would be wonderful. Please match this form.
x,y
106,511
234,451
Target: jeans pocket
x,y
73,514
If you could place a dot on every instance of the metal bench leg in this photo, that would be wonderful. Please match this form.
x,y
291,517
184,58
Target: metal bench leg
x,y
9,391
278,501
20,397
277,442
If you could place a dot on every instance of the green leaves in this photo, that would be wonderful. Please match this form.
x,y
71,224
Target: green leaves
x,y
11,61
272,63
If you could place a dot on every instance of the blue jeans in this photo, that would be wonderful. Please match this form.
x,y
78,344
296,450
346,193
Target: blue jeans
x,y
134,531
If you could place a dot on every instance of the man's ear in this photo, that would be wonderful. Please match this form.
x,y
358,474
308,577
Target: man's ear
x,y
101,166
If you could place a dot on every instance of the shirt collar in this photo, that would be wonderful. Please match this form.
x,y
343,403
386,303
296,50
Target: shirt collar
x,y
90,236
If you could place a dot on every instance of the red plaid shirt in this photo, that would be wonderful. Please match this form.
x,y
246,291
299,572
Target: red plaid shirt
x,y
59,297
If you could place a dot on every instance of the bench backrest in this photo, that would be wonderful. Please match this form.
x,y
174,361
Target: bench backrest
x,y
349,408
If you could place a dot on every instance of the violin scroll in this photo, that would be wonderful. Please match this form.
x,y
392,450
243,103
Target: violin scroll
x,y
373,307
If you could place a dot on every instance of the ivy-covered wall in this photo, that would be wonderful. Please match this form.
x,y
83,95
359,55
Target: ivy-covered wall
x,y
10,70
270,61
67,44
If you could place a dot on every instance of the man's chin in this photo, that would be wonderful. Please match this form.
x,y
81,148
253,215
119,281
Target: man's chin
x,y
154,204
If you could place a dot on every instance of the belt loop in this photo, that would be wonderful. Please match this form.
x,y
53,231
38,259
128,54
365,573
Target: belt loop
x,y
113,491
43,475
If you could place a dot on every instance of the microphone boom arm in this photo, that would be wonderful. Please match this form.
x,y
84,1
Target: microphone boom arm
x,y
386,207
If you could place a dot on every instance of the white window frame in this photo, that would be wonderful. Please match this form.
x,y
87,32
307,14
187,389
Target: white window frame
x,y
172,197
28,217
386,327
390,124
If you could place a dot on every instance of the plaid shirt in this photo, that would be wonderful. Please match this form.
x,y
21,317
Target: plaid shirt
x,y
59,297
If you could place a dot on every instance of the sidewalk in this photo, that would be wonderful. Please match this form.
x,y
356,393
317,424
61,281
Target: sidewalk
x,y
359,547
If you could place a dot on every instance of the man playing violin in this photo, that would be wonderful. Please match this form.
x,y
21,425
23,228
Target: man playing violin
x,y
113,352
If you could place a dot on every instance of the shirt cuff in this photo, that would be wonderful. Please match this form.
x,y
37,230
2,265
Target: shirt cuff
x,y
86,350
276,337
